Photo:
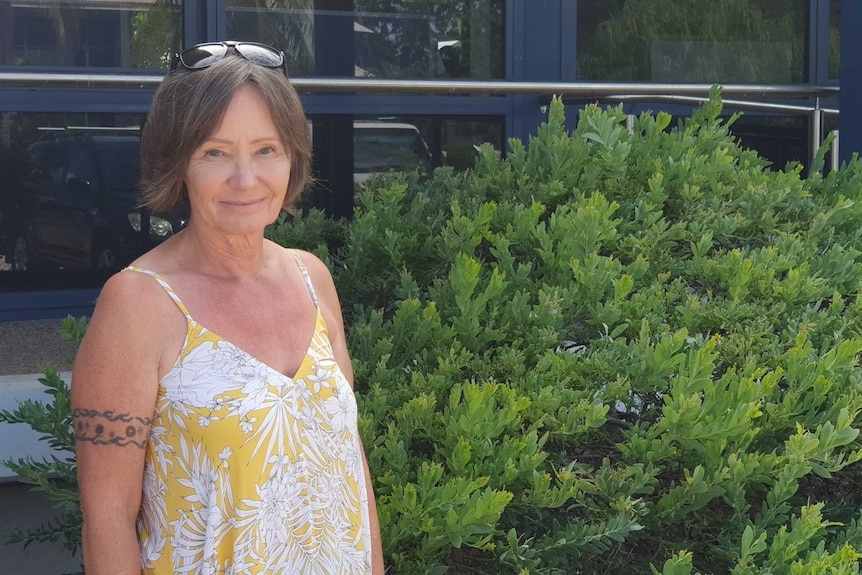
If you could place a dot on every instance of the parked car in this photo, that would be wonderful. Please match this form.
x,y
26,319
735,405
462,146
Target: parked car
x,y
381,147
78,206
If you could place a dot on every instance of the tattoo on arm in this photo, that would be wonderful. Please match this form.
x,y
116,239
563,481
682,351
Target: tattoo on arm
x,y
109,428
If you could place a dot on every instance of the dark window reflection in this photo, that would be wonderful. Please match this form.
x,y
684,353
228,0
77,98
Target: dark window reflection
x,y
380,147
780,140
461,140
834,38
410,143
391,39
758,41
69,185
286,24
116,34
69,203
430,39
350,151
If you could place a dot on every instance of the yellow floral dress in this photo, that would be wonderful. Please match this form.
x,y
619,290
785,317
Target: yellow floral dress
x,y
250,471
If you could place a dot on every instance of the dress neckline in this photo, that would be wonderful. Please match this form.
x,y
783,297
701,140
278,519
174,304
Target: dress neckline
x,y
319,323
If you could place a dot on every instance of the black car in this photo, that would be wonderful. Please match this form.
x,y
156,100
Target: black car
x,y
79,205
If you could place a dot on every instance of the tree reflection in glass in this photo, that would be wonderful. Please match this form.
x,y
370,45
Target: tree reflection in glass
x,y
728,41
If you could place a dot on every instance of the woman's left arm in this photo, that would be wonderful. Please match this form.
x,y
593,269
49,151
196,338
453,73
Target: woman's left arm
x,y
330,307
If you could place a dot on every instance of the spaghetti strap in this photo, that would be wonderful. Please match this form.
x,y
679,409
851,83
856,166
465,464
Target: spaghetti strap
x,y
305,276
164,285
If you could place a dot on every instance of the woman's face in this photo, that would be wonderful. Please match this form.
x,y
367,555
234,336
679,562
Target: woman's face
x,y
238,178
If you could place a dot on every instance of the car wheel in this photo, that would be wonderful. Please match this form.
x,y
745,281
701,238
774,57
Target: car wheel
x,y
20,254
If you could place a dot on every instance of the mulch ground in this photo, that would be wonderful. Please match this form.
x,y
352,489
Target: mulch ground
x,y
27,346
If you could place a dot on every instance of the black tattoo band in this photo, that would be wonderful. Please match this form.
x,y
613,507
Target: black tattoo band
x,y
108,428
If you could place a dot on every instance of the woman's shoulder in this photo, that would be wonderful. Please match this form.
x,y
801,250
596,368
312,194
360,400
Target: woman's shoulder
x,y
318,273
141,287
128,316
317,269
132,299
315,265
134,314
126,287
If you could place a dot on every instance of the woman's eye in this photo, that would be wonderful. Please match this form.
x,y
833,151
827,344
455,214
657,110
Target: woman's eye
x,y
213,153
267,150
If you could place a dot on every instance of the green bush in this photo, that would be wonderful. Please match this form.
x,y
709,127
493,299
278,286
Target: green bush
x,y
55,478
609,353
612,351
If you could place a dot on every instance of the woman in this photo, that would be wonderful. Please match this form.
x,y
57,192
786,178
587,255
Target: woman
x,y
212,399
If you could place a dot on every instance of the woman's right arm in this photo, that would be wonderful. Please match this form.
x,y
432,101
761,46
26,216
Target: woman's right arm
x,y
114,387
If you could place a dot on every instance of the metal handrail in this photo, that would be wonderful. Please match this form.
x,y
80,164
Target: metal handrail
x,y
614,92
815,116
450,87
728,103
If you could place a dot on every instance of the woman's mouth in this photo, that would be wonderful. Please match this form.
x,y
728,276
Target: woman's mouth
x,y
243,205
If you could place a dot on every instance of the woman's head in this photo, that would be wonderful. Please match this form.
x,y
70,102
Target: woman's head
x,y
188,107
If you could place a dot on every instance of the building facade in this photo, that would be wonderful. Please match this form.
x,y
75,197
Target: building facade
x,y
76,80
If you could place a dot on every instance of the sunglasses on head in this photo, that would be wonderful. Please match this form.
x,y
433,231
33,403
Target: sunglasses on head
x,y
205,55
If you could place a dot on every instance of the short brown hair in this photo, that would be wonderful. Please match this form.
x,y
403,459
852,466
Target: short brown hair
x,y
188,107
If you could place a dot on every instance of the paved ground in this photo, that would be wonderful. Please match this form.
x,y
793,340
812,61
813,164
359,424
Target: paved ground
x,y
24,510
25,346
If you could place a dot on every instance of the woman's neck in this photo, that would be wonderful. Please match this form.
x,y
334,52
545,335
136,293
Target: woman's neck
x,y
223,255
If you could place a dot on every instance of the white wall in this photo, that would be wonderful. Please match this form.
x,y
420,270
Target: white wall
x,y
20,508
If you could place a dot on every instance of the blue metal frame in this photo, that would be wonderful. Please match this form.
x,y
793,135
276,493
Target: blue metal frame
x,y
195,23
569,42
112,101
217,20
514,61
537,52
815,53
818,63
850,126
46,304
405,105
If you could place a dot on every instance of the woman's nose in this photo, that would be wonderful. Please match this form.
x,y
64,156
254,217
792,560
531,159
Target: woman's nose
x,y
243,176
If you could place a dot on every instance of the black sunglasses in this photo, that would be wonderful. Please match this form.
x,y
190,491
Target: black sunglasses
x,y
205,55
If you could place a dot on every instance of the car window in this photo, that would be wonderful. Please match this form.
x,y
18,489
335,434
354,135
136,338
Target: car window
x,y
121,165
384,149
82,167
47,165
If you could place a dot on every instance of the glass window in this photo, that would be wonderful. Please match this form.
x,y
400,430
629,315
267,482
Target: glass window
x,y
69,204
779,139
728,41
350,150
90,33
430,39
834,38
388,147
285,24
82,170
391,39
407,143
461,140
